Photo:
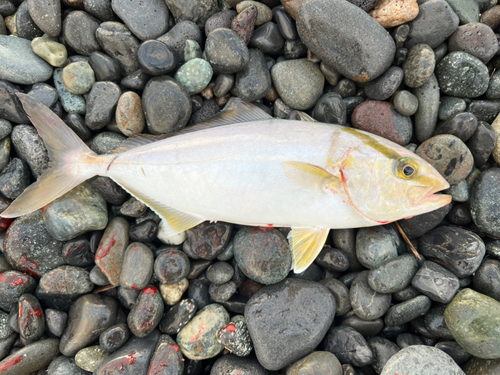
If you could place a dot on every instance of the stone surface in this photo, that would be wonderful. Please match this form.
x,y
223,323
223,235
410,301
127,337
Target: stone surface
x,y
407,311
194,75
393,275
90,358
195,11
71,103
428,106
390,13
346,38
167,359
101,104
485,208
316,363
137,267
251,83
436,282
31,358
79,32
78,77
146,313
476,39
366,303
419,65
49,50
386,85
348,345
269,325
177,36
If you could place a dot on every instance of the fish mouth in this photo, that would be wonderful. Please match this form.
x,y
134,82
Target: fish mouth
x,y
425,195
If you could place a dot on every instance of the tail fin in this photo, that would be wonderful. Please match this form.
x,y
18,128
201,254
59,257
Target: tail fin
x,y
72,162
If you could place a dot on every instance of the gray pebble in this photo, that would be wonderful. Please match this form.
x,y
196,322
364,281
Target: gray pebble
x,y
428,107
405,103
386,85
419,65
30,147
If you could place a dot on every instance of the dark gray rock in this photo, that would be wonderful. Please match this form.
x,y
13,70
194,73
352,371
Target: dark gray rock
x,y
485,202
382,350
435,324
193,10
56,321
386,85
436,282
366,303
176,38
30,147
105,142
99,9
14,178
406,311
114,337
421,224
375,246
146,313
486,280
226,51
419,65
330,109
393,275
155,58
147,20
269,327
346,38
105,68
268,39
137,267
231,363
477,39
348,345
47,15
31,358
63,365
341,293
79,32
462,125
221,19
428,106
435,22
25,26
253,82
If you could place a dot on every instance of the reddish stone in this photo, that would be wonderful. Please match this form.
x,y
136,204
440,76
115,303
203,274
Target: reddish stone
x,y
31,320
146,313
167,358
244,23
12,285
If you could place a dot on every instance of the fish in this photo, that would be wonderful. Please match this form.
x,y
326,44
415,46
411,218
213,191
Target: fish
x,y
245,167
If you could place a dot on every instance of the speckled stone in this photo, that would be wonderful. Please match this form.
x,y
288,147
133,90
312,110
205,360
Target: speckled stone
x,y
129,114
101,104
14,178
194,75
78,77
146,313
484,202
463,75
419,65
192,50
450,106
254,81
366,303
51,51
71,103
177,36
20,64
436,282
462,125
316,363
393,275
31,358
386,85
381,118
90,358
222,19
299,82
79,32
473,320
346,38
390,13
476,39
375,246
467,11
348,345
428,106
226,51
198,339
194,11
167,359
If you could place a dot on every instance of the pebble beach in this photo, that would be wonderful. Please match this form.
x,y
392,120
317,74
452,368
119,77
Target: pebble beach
x,y
92,284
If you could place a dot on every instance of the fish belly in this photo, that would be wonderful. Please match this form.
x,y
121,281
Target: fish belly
x,y
234,174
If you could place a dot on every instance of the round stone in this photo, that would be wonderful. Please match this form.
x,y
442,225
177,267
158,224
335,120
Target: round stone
x,y
49,50
462,125
219,20
207,240
346,38
477,39
348,345
155,58
436,282
298,82
226,51
449,155
263,255
366,303
485,202
486,280
419,65
252,83
194,75
463,75
330,109
47,15
450,106
316,363
474,322
172,293
146,313
407,311
386,85
171,266
405,103
129,114
375,246
90,358
264,14
137,267
390,13
393,275
79,30
220,273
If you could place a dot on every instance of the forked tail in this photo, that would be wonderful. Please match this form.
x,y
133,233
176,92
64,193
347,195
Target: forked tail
x,y
71,161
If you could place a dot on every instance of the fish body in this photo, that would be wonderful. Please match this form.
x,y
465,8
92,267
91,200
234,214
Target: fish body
x,y
247,168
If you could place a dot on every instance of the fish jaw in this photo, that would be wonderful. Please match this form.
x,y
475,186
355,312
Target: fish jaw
x,y
426,197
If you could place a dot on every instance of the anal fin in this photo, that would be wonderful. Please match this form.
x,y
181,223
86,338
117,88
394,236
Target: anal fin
x,y
306,244
176,221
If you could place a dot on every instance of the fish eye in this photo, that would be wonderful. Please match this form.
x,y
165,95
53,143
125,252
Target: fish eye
x,y
406,168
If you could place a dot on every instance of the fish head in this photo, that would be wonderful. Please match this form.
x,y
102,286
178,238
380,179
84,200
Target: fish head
x,y
386,182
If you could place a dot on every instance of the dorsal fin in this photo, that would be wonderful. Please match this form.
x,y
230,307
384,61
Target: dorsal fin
x,y
235,111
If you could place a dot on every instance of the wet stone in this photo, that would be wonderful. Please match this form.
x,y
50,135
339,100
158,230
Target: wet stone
x,y
332,34
88,317
348,345
12,285
146,20
235,337
5,329
56,321
98,8
472,319
436,282
406,311
330,109
405,103
146,313
244,23
145,231
477,366
374,246
383,350
194,75
136,80
421,360
172,293
435,324
386,85
220,273
263,255
178,316
44,93
171,266
31,358
78,32
30,248
222,19
11,108
341,293
366,303
450,106
484,202
198,339
428,106
454,350
167,359
78,77
467,11
31,319
419,65
268,39
254,81
79,211
90,358
332,259
117,40
463,75
449,155
269,326
132,358
222,292
109,255
105,142
365,327
207,240
462,125
457,249
381,118
104,67
294,49
155,58
71,103
486,280
133,208
166,104
298,82
435,22
137,267
421,224
114,337
393,275
405,340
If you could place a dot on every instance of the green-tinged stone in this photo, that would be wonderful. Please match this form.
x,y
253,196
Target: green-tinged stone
x,y
474,321
449,106
192,50
466,10
194,75
71,103
49,50
198,339
78,77
90,358
477,366
10,23
316,363
4,152
299,82
78,211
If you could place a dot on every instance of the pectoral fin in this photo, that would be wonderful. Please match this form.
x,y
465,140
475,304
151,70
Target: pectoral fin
x,y
310,177
176,221
306,244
